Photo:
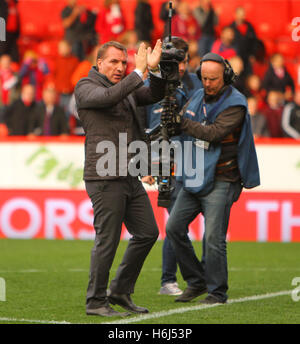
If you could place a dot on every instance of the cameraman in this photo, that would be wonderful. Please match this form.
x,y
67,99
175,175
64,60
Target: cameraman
x,y
216,127
189,83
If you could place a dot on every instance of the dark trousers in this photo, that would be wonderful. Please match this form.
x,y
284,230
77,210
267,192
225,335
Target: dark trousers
x,y
114,202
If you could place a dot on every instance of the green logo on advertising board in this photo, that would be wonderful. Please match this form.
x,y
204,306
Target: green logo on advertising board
x,y
47,164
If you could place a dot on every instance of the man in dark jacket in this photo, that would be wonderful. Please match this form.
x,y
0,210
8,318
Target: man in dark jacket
x,y
143,21
20,116
106,103
51,118
245,39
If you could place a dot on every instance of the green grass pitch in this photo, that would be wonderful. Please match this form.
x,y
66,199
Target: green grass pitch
x,y
45,282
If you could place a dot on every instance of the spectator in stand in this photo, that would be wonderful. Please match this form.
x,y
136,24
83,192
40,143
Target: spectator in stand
x,y
245,39
130,40
258,120
237,65
291,118
50,118
273,112
65,65
19,116
164,14
143,21
81,71
278,78
33,71
207,19
83,68
8,81
184,24
76,20
194,57
89,35
253,88
9,12
224,45
110,22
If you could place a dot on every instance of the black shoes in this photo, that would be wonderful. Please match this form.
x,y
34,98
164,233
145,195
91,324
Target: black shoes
x,y
190,293
106,311
211,299
125,301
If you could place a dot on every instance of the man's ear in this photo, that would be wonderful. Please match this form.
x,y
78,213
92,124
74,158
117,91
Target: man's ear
x,y
98,64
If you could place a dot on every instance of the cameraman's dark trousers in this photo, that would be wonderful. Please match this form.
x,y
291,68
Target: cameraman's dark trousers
x,y
114,202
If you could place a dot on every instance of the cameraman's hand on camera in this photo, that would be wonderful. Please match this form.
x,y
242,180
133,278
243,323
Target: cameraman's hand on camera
x,y
153,56
171,120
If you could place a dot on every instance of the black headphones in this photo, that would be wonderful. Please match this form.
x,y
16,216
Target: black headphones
x,y
229,76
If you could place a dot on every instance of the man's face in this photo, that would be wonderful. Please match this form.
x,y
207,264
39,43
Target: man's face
x,y
28,93
113,64
182,66
49,96
212,77
72,2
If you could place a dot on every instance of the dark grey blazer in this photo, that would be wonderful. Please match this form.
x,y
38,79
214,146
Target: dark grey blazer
x,y
106,110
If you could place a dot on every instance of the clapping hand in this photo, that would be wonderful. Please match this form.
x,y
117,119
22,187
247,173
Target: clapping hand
x,y
148,57
141,58
153,56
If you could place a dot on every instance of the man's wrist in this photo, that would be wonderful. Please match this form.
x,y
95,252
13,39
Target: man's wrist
x,y
139,73
155,69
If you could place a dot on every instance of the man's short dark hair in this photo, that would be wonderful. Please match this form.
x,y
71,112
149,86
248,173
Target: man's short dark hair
x,y
102,50
180,43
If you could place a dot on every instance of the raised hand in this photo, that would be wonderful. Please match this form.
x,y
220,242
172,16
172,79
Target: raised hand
x,y
153,57
141,58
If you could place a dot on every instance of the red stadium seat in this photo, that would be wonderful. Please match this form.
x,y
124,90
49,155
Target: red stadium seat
x,y
270,46
269,17
33,29
55,30
226,10
48,48
288,48
265,30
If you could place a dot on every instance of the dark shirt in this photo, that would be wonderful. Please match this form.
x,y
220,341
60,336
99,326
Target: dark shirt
x,y
19,117
74,32
259,125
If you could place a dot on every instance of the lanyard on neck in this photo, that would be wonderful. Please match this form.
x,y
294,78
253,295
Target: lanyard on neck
x,y
216,105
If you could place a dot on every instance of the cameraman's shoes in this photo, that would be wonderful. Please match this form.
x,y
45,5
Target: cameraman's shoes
x,y
190,294
211,300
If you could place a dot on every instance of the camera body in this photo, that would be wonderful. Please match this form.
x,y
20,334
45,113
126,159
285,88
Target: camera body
x,y
170,58
169,67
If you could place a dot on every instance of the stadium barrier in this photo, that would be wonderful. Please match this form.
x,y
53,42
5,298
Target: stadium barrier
x,y
42,194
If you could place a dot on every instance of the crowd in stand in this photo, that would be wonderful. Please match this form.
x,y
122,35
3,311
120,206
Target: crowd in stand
x,y
38,100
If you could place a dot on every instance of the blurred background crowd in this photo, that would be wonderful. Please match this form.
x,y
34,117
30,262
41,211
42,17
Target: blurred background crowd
x,y
51,44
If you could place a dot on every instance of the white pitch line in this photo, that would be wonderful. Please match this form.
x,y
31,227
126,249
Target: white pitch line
x,y
234,269
35,321
161,314
181,310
